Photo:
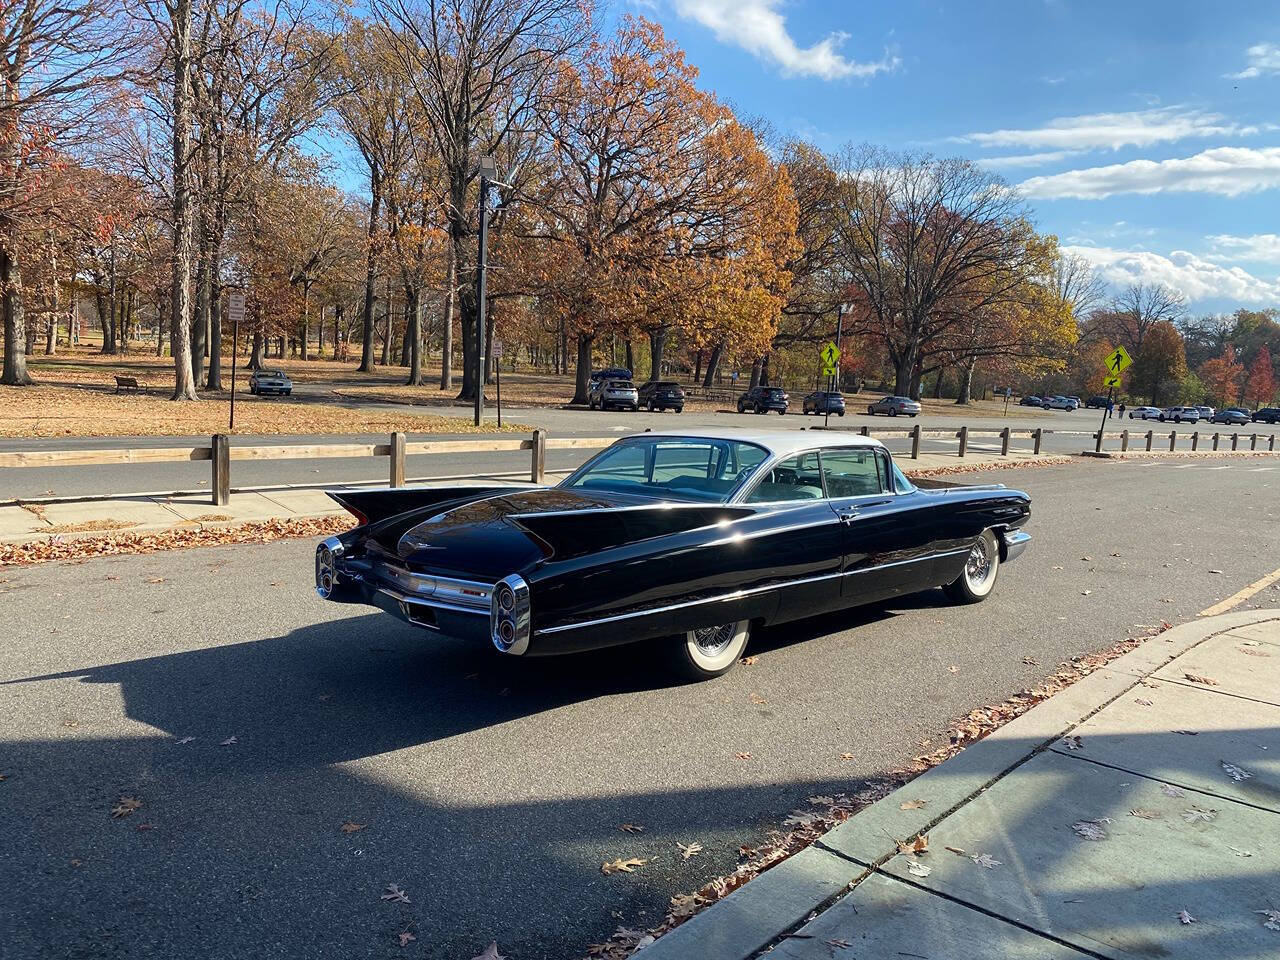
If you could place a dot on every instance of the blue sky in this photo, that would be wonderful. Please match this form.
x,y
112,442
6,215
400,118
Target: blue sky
x,y
1145,134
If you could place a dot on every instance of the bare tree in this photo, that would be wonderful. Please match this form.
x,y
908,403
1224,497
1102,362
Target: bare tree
x,y
1139,308
475,68
1077,284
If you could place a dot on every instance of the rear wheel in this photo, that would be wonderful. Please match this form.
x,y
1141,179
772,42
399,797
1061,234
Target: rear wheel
x,y
981,567
710,651
893,411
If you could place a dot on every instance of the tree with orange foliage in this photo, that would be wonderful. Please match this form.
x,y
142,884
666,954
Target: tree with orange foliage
x,y
1221,376
1260,387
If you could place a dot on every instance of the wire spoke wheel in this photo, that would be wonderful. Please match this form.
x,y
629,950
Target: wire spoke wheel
x,y
707,652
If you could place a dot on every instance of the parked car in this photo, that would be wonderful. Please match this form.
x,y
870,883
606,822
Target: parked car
x,y
1206,413
684,541
763,399
611,373
1180,414
662,395
620,394
270,381
894,406
1232,416
1266,415
1031,402
1059,403
1144,413
824,401
1097,403
1076,401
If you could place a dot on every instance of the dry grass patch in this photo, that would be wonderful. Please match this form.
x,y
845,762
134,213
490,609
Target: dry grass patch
x,y
49,411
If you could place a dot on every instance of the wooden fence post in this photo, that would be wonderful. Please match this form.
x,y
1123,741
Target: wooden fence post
x,y
865,431
1195,440
397,459
1004,442
538,470
221,456
1253,442
1038,434
1271,444
1124,441
964,439
1150,435
1235,440
1173,440
915,442
1215,439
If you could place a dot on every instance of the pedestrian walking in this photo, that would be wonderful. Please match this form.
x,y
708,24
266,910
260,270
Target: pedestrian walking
x,y
1122,411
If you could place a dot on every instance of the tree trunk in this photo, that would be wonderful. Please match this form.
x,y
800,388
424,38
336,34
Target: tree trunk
x,y
200,321
631,356
15,329
966,382
657,343
697,366
306,317
756,370
467,310
764,371
446,334
562,357
937,384
582,375
214,381
413,338
386,331
161,322
370,271
404,337
903,370
255,355
104,318
713,363
184,387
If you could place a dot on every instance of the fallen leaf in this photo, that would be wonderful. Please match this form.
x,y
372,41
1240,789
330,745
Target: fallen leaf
x,y
1031,661
837,942
1143,701
1196,678
749,661
757,699
406,938
742,756
1171,791
1188,733
624,866
350,827
1087,559
395,895
1253,653
1085,593
1273,919
1235,773
112,576
912,804
145,826
1215,571
76,863
1144,814
490,952
1089,829
155,580
822,801
187,740
1199,815
227,742
1240,853
953,669
125,807
918,869
631,828
686,904
1184,917
1073,743
846,756
692,850
958,851
917,844
985,860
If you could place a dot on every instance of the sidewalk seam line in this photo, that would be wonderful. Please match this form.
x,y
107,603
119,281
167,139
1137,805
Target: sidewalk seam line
x,y
1199,686
1182,786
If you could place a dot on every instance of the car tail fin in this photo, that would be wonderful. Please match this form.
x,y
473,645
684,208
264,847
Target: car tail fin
x,y
371,506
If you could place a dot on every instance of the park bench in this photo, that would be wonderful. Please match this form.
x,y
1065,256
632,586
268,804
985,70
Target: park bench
x,y
129,383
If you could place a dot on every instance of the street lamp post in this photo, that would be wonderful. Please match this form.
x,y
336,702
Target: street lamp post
x,y
488,171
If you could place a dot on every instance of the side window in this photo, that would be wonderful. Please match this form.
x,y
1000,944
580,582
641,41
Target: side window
x,y
797,478
672,461
853,472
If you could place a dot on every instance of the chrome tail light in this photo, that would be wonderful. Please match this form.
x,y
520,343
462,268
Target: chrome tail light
x,y
509,615
327,554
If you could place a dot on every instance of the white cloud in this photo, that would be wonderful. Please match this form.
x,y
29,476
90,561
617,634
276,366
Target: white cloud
x,y
1263,58
1229,171
1111,131
1258,248
1025,160
1194,277
757,27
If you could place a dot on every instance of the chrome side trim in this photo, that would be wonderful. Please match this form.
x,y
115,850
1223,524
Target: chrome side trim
x,y
739,594
465,593
419,602
1015,541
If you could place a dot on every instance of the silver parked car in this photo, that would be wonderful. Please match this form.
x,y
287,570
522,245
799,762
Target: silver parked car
x,y
1060,403
1232,416
270,381
613,393
1180,414
894,406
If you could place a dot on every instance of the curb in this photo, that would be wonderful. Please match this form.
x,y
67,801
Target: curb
x,y
781,899
1175,454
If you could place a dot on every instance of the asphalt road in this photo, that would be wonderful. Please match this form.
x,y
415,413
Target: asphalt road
x,y
491,789
80,481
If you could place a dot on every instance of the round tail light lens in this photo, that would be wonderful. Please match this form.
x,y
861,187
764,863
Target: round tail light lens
x,y
506,599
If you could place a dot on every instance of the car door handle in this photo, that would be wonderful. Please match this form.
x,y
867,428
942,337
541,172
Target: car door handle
x,y
847,514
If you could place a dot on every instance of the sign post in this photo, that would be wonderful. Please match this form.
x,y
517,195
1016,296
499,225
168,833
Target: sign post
x,y
830,366
235,311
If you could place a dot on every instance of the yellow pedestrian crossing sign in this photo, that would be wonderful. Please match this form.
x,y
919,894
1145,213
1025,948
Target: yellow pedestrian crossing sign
x,y
830,356
1112,381
829,371
1118,361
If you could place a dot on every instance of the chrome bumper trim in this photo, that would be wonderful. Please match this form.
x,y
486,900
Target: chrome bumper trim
x,y
410,600
1015,541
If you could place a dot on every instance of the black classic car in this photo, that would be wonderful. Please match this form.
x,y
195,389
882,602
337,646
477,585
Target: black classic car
x,y
687,540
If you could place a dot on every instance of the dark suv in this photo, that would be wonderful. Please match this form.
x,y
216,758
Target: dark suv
x,y
1267,415
763,399
824,401
662,395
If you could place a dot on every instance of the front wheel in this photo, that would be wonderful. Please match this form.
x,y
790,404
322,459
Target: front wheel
x,y
893,411
978,578
710,651
871,411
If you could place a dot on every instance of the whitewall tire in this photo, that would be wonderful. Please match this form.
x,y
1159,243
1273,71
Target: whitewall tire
x,y
981,567
711,651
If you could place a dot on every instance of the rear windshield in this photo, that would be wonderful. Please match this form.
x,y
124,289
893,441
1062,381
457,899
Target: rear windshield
x,y
620,384
666,385
271,373
773,391
679,468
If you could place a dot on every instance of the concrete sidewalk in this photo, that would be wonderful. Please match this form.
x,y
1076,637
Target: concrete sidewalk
x,y
148,513
1135,814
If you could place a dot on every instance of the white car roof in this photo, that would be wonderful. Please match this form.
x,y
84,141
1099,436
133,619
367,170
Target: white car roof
x,y
778,442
